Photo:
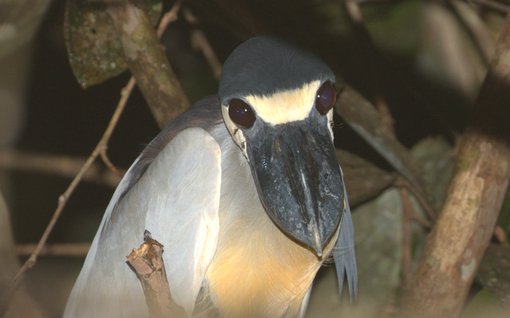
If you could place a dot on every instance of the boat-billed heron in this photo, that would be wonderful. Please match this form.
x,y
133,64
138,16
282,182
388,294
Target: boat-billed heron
x,y
244,191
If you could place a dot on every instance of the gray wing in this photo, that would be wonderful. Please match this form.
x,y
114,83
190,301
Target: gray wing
x,y
344,254
174,195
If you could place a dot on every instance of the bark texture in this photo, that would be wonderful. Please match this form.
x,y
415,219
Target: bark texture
x,y
465,225
147,263
147,61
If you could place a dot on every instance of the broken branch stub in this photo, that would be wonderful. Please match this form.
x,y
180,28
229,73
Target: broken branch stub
x,y
147,263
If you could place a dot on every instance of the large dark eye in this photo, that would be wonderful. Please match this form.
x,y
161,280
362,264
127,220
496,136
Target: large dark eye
x,y
326,98
241,113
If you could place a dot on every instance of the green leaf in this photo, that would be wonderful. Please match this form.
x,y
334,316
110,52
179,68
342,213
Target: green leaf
x,y
93,45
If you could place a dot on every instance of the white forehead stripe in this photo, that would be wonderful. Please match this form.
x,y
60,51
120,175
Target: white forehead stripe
x,y
287,106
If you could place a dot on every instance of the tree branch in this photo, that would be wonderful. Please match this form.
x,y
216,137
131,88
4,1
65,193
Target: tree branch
x,y
101,147
475,28
62,200
475,195
63,166
492,4
361,116
57,249
147,61
148,265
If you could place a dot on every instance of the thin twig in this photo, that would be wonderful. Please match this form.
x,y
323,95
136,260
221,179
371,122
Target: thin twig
x,y
62,166
57,249
406,259
62,200
100,147
109,164
354,11
418,219
363,118
499,234
373,63
168,18
388,122
403,183
476,29
495,5
199,42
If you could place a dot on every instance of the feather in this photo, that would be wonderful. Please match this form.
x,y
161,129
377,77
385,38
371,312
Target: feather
x,y
166,199
304,303
344,254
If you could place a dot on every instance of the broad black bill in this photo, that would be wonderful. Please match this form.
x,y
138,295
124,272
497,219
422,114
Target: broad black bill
x,y
299,180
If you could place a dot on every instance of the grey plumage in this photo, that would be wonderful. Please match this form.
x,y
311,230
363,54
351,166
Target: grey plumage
x,y
125,220
281,65
194,189
344,254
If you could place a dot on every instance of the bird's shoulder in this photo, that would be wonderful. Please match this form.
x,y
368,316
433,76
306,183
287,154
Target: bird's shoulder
x,y
159,193
204,114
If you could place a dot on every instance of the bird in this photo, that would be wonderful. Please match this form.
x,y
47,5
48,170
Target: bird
x,y
244,191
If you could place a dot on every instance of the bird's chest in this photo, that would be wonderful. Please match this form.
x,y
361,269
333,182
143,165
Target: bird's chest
x,y
258,271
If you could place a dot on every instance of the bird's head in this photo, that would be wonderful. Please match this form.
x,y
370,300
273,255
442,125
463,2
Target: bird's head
x,y
277,103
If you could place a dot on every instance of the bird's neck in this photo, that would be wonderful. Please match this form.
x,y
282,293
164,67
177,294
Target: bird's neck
x,y
257,271
260,272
